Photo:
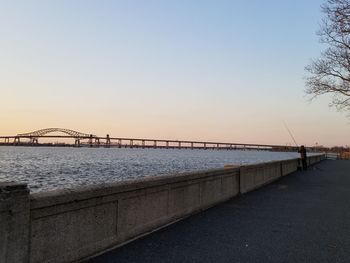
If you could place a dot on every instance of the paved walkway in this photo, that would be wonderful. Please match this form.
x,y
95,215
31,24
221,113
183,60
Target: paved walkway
x,y
304,217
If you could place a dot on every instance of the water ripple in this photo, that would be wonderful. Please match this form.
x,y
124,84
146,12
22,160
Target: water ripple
x,y
49,168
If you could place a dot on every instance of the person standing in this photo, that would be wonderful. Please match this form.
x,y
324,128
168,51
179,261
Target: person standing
x,y
303,157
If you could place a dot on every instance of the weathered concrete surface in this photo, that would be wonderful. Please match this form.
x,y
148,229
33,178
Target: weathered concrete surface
x,y
69,225
257,175
304,217
14,222
290,166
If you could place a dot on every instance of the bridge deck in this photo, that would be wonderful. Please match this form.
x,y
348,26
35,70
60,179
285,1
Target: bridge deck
x,y
304,217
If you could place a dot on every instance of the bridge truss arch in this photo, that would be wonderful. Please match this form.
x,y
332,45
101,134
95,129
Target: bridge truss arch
x,y
43,132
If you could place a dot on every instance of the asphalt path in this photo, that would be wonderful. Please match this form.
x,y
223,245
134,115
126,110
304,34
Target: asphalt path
x,y
304,217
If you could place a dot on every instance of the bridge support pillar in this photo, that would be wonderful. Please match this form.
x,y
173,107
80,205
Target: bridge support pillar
x,y
108,141
34,141
167,144
155,144
17,140
97,142
90,141
77,142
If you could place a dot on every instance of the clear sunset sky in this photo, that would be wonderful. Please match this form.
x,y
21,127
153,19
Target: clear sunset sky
x,y
203,70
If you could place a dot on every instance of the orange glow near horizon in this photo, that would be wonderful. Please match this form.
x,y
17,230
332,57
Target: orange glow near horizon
x,y
264,131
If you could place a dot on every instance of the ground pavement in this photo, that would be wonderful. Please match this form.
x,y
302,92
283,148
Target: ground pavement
x,y
304,217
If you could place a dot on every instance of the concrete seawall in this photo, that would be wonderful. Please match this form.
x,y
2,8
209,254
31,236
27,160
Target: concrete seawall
x,y
70,225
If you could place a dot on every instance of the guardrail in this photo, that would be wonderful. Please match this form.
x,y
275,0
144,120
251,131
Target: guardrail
x,y
70,225
332,156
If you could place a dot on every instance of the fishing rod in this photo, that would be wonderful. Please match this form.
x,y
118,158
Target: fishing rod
x,y
291,135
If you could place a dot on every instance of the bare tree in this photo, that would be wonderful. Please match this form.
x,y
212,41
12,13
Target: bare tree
x,y
330,74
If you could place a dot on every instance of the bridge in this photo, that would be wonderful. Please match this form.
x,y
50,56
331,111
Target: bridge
x,y
91,140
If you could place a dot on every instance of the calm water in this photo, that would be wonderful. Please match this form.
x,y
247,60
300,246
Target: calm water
x,y
48,168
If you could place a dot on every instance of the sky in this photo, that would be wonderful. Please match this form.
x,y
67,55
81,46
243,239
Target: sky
x,y
230,71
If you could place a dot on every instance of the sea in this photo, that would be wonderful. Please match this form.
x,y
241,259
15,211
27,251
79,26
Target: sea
x,y
51,168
